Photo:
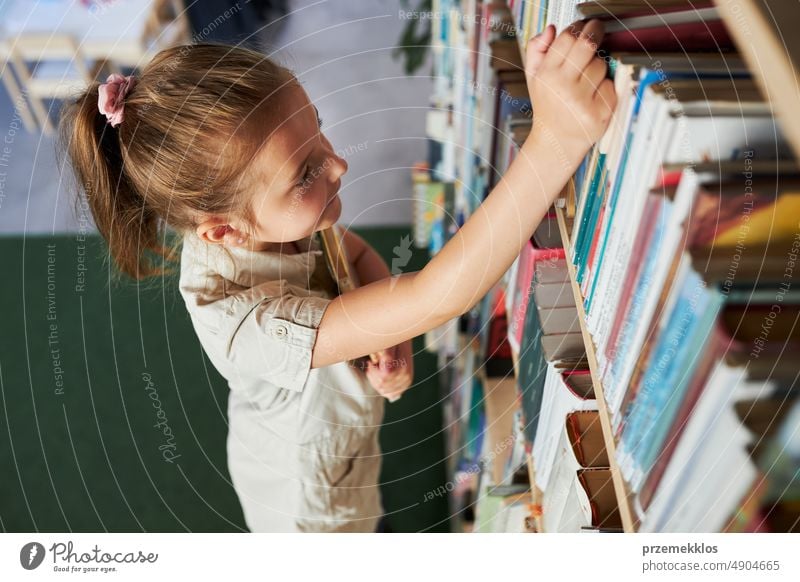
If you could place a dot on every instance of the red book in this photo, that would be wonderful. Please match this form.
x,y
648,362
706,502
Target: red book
x,y
641,244
524,287
593,251
686,37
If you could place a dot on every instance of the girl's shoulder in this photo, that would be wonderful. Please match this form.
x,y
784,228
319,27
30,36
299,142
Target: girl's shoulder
x,y
226,283
247,268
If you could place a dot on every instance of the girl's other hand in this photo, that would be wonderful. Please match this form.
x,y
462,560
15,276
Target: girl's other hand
x,y
393,373
572,99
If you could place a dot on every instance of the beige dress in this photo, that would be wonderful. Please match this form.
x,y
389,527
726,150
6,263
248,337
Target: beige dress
x,y
302,445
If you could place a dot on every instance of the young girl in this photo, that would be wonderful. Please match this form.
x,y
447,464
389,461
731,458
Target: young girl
x,y
224,146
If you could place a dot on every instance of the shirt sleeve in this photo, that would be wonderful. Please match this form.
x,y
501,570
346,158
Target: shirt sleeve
x,y
275,338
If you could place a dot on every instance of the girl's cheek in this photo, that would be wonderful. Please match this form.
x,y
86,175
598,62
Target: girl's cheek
x,y
303,214
304,205
315,198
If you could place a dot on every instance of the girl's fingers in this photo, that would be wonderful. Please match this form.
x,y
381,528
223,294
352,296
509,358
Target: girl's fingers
x,y
387,376
380,358
584,49
561,46
537,49
594,31
382,382
606,97
594,74
390,382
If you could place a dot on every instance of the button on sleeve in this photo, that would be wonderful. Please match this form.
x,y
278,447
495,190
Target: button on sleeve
x,y
275,340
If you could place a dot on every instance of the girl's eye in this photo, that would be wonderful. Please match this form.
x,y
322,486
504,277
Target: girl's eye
x,y
305,178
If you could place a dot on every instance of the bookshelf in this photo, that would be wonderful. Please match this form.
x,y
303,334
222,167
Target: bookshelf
x,y
757,39
765,34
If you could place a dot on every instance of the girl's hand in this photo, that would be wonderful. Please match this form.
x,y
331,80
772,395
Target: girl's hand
x,y
393,374
572,100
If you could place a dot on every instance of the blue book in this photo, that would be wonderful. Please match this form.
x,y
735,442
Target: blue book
x,y
542,14
591,202
657,361
604,236
532,370
667,362
641,289
670,400
580,176
647,78
592,225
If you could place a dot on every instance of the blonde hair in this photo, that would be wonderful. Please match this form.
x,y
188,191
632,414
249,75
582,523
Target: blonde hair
x,y
193,122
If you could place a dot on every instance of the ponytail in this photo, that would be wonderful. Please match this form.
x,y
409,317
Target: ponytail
x,y
132,230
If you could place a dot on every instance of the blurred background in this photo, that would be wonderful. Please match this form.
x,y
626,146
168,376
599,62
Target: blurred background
x,y
80,353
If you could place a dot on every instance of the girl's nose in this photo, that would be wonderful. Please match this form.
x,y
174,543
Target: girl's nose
x,y
337,163
341,166
338,167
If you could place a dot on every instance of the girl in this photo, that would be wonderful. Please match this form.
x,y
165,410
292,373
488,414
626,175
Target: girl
x,y
225,147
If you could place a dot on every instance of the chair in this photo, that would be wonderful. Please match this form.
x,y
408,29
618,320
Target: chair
x,y
13,88
51,67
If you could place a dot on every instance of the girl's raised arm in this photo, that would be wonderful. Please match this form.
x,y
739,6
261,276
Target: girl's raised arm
x,y
573,105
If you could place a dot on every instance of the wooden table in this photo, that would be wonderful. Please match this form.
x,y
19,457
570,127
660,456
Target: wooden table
x,y
116,31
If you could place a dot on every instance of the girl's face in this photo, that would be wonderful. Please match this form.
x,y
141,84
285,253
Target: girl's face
x,y
298,175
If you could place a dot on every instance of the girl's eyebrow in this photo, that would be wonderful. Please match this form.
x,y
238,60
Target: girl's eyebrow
x,y
305,161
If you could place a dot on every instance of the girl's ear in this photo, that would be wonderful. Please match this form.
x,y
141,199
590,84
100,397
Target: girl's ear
x,y
217,231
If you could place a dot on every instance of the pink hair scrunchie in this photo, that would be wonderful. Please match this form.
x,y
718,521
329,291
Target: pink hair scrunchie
x,y
111,97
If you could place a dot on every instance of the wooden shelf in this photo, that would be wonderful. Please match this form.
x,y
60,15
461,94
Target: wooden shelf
x,y
624,498
765,34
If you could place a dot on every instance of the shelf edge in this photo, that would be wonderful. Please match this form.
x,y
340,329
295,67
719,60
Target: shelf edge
x,y
624,498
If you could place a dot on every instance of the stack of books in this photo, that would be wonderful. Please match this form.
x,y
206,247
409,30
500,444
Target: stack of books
x,y
651,345
572,467
684,233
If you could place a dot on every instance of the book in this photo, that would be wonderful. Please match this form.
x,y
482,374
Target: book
x,y
559,399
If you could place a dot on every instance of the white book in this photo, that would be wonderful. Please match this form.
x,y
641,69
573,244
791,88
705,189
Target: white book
x,y
577,510
648,133
647,128
509,282
707,474
557,402
510,518
560,491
